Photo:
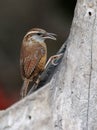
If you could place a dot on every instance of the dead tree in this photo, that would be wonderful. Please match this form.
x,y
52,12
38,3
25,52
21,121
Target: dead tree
x,y
69,100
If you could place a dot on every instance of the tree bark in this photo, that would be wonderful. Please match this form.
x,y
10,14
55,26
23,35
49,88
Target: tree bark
x,y
69,100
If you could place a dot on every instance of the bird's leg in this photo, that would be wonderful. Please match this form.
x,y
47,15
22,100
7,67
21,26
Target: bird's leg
x,y
34,85
52,59
23,92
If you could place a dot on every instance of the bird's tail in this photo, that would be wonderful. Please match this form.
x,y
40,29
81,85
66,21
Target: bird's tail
x,y
24,88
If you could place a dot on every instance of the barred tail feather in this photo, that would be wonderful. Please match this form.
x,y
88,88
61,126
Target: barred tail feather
x,y
24,88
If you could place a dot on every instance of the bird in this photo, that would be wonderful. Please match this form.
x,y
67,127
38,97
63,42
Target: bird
x,y
33,56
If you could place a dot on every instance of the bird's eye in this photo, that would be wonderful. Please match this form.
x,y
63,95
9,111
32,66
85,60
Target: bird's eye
x,y
39,34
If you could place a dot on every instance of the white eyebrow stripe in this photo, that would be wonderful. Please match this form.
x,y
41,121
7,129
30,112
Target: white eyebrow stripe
x,y
31,32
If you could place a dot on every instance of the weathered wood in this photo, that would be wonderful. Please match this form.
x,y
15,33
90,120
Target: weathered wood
x,y
69,100
32,113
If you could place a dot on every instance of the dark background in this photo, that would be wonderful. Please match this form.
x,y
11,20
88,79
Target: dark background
x,y
16,18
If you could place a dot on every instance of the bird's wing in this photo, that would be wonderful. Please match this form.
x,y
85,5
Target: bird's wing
x,y
29,59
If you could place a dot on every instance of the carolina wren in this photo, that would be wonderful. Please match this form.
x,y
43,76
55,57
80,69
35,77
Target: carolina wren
x,y
33,56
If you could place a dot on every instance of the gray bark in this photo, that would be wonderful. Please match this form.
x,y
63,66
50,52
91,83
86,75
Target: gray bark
x,y
69,100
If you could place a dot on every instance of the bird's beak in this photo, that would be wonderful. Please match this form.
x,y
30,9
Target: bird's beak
x,y
50,36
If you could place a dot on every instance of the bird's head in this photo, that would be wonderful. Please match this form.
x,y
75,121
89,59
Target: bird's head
x,y
39,35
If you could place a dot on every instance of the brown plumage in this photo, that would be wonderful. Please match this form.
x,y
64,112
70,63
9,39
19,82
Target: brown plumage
x,y
33,56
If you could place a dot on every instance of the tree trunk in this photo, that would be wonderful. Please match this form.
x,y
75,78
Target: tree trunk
x,y
69,100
